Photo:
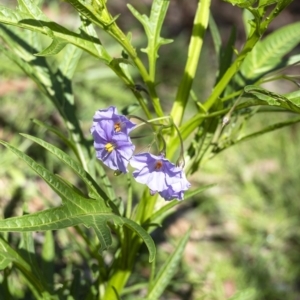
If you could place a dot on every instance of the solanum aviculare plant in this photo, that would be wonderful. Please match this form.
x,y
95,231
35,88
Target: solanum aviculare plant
x,y
179,143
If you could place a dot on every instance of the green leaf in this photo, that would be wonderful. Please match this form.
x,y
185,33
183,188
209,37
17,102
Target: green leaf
x,y
29,7
247,17
285,63
76,209
57,132
262,94
56,86
281,5
97,15
52,29
268,129
70,61
7,253
54,48
292,60
14,38
193,193
87,28
27,249
5,260
294,97
48,257
152,27
226,55
94,190
143,235
167,271
266,2
268,54
241,3
273,99
216,36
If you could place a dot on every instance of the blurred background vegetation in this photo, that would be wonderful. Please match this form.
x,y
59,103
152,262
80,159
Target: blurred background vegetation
x,y
245,240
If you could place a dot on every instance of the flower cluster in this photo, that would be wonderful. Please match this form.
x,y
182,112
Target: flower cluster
x,y
111,138
115,149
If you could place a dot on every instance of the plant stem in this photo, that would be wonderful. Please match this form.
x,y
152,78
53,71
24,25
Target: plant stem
x,y
116,283
145,207
123,41
129,198
196,42
125,261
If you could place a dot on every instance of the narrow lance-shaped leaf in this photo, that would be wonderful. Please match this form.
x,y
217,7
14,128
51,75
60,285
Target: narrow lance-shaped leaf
x,y
14,39
215,35
48,257
267,2
87,28
98,14
167,271
5,260
29,7
52,29
241,3
70,61
76,209
95,15
294,97
27,249
95,190
268,54
152,27
57,132
226,54
54,48
7,253
267,129
273,99
56,86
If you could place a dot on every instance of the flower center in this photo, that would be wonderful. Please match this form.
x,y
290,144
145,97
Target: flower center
x,y
109,147
118,126
158,165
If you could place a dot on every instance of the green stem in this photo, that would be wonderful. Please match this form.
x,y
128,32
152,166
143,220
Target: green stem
x,y
117,69
100,16
145,207
231,71
260,132
187,129
129,198
116,283
196,121
119,36
196,42
125,261
232,95
234,68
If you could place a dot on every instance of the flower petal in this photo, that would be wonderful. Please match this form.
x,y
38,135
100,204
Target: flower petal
x,y
160,175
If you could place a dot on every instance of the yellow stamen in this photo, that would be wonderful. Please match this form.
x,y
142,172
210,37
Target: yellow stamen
x,y
109,147
118,126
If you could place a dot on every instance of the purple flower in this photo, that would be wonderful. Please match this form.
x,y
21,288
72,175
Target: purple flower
x,y
110,115
176,190
160,175
113,148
